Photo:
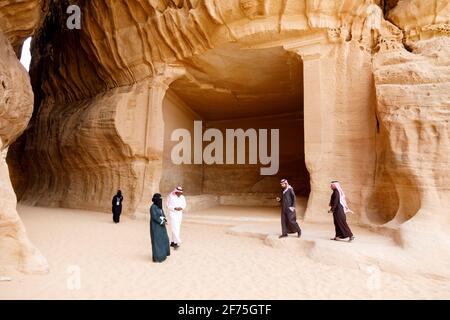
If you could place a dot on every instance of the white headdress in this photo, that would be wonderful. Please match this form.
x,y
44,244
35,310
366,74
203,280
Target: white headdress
x,y
342,199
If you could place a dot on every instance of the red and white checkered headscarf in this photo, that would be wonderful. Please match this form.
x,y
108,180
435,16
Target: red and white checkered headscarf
x,y
177,189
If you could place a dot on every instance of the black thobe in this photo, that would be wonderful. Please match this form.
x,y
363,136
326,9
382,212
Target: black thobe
x,y
340,222
289,217
158,235
117,207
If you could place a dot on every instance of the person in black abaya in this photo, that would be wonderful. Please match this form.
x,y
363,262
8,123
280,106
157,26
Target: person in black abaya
x,y
288,212
117,206
158,232
339,207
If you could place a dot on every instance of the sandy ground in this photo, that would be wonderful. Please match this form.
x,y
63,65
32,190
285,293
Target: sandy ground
x,y
114,262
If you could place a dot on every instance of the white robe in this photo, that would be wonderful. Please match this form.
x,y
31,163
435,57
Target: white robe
x,y
176,217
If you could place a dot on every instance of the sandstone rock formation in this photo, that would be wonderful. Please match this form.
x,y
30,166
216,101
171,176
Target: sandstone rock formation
x,y
359,89
16,106
414,111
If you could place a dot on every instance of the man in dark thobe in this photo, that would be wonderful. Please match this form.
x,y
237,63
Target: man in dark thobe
x,y
288,212
117,206
339,207
158,232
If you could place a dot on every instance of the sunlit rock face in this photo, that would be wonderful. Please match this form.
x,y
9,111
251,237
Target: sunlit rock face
x,y
357,88
17,21
414,111
421,20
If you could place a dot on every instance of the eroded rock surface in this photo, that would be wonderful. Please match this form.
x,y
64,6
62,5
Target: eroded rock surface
x,y
372,101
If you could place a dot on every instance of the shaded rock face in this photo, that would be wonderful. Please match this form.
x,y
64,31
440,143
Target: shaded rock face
x,y
17,21
368,96
413,109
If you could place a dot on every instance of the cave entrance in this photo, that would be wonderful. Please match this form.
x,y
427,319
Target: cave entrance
x,y
230,88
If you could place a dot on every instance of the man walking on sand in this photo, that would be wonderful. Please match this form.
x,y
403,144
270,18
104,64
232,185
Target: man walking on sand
x,y
288,212
176,203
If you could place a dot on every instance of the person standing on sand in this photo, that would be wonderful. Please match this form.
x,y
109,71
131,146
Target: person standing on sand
x,y
176,203
158,231
339,207
117,206
288,214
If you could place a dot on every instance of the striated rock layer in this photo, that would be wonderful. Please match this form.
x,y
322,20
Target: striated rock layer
x,y
16,105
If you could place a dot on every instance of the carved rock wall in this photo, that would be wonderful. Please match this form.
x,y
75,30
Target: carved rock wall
x,y
98,121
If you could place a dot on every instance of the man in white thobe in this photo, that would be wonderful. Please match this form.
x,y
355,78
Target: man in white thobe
x,y
176,203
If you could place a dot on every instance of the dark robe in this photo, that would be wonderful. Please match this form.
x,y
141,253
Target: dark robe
x,y
117,208
340,222
288,218
158,235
